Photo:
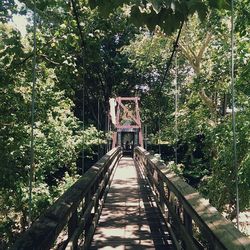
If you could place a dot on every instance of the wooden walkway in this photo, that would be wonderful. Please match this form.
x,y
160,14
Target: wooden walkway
x,y
130,218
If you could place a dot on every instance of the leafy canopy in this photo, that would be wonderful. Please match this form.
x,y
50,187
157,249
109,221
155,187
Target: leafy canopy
x,y
167,14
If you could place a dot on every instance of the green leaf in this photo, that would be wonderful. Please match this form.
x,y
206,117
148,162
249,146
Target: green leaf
x,y
199,7
219,4
106,8
156,5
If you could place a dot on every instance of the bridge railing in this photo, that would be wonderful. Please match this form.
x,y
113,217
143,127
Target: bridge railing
x,y
192,221
70,222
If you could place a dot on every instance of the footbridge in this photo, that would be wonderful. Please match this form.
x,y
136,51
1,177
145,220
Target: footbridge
x,y
131,203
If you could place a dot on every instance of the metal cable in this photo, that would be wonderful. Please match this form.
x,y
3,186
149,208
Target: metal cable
x,y
235,164
98,125
83,106
108,132
176,107
175,46
159,140
32,153
75,6
83,119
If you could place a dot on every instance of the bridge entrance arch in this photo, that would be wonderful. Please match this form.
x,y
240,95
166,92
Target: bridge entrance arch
x,y
125,117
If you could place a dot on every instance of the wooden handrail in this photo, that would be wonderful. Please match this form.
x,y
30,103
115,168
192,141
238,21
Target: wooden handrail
x,y
75,214
194,223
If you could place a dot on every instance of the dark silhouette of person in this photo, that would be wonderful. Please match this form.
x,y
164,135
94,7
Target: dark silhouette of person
x,y
127,146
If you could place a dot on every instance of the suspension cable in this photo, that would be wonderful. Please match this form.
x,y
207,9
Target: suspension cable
x,y
83,118
159,140
175,45
98,125
32,153
108,132
75,6
83,106
176,107
168,65
235,164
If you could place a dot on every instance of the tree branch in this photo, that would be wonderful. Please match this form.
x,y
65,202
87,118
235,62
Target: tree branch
x,y
49,60
204,46
24,60
188,56
75,13
210,104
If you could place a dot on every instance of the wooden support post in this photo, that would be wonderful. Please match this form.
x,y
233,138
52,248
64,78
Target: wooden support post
x,y
154,180
188,222
72,225
161,195
188,226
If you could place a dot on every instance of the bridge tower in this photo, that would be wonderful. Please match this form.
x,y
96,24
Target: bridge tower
x,y
125,117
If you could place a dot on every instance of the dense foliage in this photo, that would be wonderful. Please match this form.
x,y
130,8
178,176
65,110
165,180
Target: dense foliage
x,y
203,136
88,51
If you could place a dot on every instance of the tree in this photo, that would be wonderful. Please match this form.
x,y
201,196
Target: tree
x,y
204,108
166,14
58,133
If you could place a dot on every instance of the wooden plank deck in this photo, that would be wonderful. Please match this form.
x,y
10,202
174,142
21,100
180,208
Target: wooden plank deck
x,y
130,218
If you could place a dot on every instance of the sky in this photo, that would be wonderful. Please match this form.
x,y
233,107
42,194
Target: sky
x,y
20,22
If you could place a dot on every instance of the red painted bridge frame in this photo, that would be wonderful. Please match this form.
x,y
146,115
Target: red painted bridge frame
x,y
133,114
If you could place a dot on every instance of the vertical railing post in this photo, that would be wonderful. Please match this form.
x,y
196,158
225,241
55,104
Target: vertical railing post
x,y
72,225
188,224
155,181
161,195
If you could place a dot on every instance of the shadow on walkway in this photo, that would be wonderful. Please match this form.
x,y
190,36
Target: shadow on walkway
x,y
130,218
